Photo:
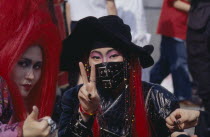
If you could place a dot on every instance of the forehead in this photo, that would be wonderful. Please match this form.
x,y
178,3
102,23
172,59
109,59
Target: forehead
x,y
34,53
104,50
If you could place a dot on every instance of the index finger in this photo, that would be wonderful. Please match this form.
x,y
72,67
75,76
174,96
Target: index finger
x,y
169,121
93,74
83,73
172,118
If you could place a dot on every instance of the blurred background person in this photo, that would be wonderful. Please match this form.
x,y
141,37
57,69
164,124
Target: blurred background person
x,y
56,8
172,27
198,48
78,9
133,14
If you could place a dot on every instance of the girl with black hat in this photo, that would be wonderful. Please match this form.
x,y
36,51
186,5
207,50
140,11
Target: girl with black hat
x,y
112,101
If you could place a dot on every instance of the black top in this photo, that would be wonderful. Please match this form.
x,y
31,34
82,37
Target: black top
x,y
203,127
200,10
159,104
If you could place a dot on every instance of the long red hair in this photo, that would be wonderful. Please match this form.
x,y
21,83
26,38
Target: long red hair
x,y
25,23
140,126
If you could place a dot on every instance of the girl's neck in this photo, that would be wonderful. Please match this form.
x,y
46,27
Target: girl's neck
x,y
28,105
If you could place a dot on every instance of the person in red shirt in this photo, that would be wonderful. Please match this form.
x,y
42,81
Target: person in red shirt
x,y
172,27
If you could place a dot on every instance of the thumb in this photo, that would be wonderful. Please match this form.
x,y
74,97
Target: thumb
x,y
34,114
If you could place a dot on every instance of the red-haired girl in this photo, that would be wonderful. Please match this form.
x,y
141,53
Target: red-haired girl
x,y
29,60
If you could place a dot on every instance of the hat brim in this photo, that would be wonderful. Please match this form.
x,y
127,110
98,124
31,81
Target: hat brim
x,y
91,29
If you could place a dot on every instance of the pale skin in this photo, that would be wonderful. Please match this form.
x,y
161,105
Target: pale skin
x,y
34,127
182,119
110,5
26,74
68,18
88,104
180,5
91,104
176,134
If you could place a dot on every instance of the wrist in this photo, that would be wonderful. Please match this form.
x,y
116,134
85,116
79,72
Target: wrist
x,y
197,113
81,110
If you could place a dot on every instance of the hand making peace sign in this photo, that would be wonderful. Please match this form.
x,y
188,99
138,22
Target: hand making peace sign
x,y
88,95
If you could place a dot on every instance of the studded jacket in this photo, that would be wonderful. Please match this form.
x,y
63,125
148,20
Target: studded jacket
x,y
159,103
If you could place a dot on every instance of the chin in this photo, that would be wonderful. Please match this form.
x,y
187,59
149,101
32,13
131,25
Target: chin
x,y
24,94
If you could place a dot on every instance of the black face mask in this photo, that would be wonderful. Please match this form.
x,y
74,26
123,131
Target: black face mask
x,y
109,75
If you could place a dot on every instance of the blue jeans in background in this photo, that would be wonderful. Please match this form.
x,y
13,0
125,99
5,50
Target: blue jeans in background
x,y
173,59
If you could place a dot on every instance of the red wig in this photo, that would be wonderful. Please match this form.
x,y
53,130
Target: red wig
x,y
25,23
141,124
140,127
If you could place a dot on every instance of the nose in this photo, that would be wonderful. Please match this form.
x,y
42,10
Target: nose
x,y
30,74
104,60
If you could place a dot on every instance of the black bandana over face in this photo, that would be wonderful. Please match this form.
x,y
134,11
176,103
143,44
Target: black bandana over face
x,y
109,75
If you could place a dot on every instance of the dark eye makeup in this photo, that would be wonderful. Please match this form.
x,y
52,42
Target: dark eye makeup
x,y
114,55
37,65
95,57
24,63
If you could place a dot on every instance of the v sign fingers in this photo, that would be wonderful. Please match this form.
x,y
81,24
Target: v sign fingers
x,y
83,73
93,75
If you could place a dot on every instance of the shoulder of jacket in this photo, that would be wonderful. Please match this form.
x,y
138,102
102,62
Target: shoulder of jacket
x,y
71,94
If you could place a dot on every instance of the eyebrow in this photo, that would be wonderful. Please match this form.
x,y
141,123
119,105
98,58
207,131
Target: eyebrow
x,y
95,51
106,53
111,50
29,60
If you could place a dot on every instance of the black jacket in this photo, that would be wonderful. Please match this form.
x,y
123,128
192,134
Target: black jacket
x,y
199,15
159,104
203,127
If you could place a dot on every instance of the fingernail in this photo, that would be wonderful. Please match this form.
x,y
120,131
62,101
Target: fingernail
x,y
89,96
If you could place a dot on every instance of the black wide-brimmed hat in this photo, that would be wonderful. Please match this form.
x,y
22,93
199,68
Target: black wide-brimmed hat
x,y
107,29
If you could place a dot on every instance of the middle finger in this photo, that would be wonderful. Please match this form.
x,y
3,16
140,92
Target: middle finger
x,y
83,73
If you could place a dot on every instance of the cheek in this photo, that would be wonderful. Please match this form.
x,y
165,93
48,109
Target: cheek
x,y
120,58
17,74
37,76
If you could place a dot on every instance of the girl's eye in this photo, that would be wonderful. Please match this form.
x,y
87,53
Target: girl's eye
x,y
114,55
95,57
37,66
23,64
